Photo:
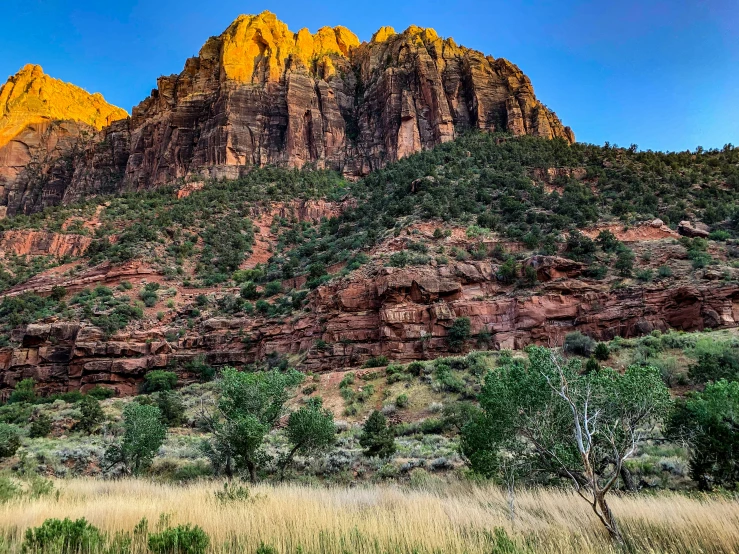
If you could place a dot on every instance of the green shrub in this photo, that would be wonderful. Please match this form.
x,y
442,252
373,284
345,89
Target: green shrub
x,y
92,414
508,272
579,344
607,241
159,380
402,401
458,333
602,352
624,261
40,426
265,549
171,407
377,438
56,536
10,440
377,361
272,288
23,392
182,539
664,271
715,365
198,366
101,393
645,275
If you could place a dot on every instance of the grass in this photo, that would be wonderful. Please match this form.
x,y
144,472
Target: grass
x,y
457,518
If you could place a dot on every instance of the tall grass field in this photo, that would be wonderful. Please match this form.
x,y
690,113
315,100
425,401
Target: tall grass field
x,y
454,519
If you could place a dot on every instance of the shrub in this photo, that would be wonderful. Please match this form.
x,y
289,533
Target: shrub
x,y
272,288
377,437
592,365
607,241
459,333
402,401
624,261
10,440
40,426
92,414
198,366
171,407
602,352
63,537
645,275
508,272
23,392
182,539
377,361
159,380
715,365
579,344
101,393
664,271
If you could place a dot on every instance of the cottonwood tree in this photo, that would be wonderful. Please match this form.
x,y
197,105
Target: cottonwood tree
x,y
580,427
248,408
309,430
143,435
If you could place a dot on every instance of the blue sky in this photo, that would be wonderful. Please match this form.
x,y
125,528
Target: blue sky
x,y
660,74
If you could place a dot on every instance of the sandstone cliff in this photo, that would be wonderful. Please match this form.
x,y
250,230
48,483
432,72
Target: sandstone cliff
x,y
42,122
260,94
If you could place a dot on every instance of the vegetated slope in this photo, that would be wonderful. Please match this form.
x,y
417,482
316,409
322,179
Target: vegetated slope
x,y
330,273
260,94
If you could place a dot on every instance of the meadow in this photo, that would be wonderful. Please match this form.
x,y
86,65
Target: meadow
x,y
450,518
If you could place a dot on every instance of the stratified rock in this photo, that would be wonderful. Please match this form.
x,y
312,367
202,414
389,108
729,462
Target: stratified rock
x,y
43,122
260,94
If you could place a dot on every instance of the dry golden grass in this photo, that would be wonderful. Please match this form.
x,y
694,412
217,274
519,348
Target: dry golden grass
x,y
453,519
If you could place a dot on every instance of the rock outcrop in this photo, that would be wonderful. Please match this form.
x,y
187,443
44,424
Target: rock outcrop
x,y
260,94
43,123
400,313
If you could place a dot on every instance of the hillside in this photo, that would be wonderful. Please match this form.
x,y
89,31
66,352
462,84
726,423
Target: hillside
x,y
528,239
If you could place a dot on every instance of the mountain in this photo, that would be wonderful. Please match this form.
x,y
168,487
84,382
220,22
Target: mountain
x,y
43,122
260,95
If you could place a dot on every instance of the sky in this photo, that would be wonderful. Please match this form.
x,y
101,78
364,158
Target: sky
x,y
661,74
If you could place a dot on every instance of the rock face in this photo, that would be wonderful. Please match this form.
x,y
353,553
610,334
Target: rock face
x,y
43,122
401,313
260,94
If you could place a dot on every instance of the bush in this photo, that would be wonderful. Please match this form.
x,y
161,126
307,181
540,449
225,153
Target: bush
x,y
172,408
579,344
402,401
645,275
63,537
508,272
377,437
272,288
624,261
198,366
92,414
159,380
459,333
602,352
182,539
40,426
716,365
377,361
664,271
607,241
101,393
10,440
23,392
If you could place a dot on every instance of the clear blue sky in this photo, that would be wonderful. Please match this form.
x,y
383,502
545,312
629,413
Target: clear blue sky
x,y
661,74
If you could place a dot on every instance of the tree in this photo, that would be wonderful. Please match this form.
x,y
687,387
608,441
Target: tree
x,y
248,408
580,427
159,380
708,422
40,425
309,429
142,437
607,241
23,392
171,407
624,261
377,437
92,414
10,440
459,333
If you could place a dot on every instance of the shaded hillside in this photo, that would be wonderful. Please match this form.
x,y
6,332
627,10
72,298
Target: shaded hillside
x,y
526,239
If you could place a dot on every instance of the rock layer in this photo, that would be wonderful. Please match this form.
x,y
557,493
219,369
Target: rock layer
x,y
260,94
400,313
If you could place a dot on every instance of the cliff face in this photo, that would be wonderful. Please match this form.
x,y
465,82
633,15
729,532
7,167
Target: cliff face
x,y
260,94
43,121
400,313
